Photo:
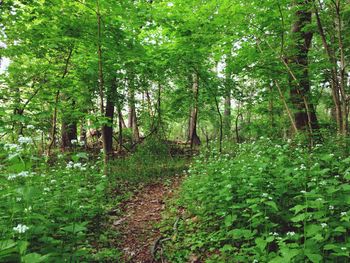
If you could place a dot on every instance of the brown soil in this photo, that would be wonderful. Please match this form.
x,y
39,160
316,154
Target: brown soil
x,y
138,226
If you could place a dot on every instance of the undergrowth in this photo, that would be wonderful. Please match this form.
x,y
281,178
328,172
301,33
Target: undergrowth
x,y
59,211
264,202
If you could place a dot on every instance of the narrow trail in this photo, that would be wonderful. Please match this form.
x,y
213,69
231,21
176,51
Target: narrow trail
x,y
138,226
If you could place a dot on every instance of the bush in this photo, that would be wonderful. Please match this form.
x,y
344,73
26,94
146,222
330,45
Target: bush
x,y
46,211
266,202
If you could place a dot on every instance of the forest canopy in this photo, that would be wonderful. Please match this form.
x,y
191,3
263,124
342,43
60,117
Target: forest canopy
x,y
122,93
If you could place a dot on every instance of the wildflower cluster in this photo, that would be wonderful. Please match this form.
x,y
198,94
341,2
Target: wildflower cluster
x,y
20,228
22,174
78,165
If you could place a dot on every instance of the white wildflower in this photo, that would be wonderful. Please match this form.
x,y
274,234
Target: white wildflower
x,y
170,4
25,140
331,207
323,225
74,141
77,165
12,147
291,233
12,177
24,174
343,248
31,127
343,213
20,228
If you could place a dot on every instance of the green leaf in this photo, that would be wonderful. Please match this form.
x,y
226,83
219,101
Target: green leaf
x,y
272,204
330,247
277,259
22,246
229,220
314,258
288,254
34,258
312,230
75,228
298,208
7,247
298,218
239,233
340,229
261,243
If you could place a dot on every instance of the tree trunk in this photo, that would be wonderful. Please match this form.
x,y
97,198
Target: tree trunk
x,y
68,130
107,129
221,123
132,117
193,136
227,113
304,113
83,137
121,125
342,70
68,133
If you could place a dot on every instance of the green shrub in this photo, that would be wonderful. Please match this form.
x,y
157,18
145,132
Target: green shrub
x,y
266,202
46,211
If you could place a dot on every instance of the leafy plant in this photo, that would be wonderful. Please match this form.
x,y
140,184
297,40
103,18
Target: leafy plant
x,y
268,202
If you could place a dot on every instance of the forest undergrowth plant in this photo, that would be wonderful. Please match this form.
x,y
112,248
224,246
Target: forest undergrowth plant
x,y
151,161
266,201
46,210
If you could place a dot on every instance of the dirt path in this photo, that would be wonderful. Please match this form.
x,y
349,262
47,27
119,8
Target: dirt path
x,y
138,227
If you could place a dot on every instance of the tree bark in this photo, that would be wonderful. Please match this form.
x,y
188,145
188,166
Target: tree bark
x,y
193,136
304,112
227,112
343,78
68,133
68,129
121,125
132,117
107,129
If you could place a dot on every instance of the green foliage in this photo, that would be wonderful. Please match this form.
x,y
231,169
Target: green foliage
x,y
46,211
152,148
268,202
151,161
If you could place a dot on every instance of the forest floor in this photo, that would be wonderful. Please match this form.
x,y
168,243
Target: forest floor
x,y
138,227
